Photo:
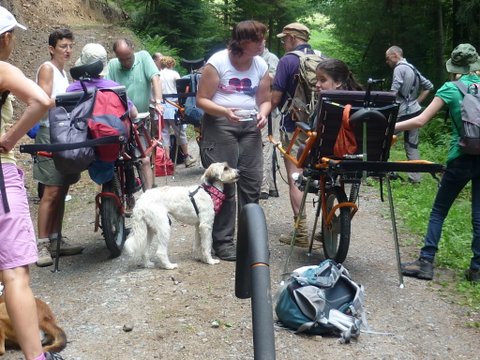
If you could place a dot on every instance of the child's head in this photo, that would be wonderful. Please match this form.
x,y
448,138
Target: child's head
x,y
334,74
167,62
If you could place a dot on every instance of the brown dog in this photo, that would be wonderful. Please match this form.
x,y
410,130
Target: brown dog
x,y
54,338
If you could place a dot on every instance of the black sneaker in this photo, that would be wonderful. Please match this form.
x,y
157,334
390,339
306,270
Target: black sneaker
x,y
273,193
263,195
227,253
52,356
473,275
420,269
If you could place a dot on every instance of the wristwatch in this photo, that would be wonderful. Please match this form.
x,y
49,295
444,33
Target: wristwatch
x,y
157,101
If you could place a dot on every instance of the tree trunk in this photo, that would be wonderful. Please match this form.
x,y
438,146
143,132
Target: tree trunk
x,y
439,46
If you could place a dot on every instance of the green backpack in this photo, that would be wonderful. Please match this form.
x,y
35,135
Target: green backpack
x,y
302,104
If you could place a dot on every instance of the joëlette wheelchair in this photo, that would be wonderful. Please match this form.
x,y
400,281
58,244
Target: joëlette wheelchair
x,y
111,201
336,177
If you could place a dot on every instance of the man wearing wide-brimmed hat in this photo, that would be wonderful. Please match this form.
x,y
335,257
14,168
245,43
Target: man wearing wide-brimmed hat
x,y
462,168
294,36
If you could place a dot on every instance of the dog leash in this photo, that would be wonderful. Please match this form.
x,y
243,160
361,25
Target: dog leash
x,y
3,190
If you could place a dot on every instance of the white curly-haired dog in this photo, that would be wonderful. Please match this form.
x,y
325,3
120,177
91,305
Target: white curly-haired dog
x,y
193,205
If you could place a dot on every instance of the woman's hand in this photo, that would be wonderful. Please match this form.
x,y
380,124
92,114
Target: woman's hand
x,y
230,115
261,120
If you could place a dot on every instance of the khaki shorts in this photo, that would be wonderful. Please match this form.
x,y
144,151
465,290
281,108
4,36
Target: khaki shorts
x,y
286,138
44,170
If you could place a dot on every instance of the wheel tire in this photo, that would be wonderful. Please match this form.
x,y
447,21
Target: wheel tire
x,y
336,238
113,222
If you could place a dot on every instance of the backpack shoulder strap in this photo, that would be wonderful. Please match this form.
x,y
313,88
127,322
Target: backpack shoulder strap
x,y
461,86
298,53
3,190
417,76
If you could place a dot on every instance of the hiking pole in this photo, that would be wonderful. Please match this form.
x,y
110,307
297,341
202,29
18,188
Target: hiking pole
x,y
297,223
57,255
394,231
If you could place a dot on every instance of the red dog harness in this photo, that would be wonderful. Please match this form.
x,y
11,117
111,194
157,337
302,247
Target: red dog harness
x,y
217,197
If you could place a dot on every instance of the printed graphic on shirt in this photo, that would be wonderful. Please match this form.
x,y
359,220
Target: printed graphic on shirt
x,y
236,85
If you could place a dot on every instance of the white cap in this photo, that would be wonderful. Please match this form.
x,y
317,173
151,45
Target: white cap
x,y
93,52
8,21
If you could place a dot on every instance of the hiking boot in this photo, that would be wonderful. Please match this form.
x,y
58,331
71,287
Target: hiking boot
x,y
44,256
228,253
301,240
189,161
420,269
473,275
65,248
318,237
52,356
263,195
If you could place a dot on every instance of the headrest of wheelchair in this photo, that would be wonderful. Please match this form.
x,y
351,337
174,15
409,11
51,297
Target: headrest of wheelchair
x,y
192,64
92,70
367,115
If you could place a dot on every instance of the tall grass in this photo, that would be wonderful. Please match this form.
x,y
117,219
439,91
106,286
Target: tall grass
x,y
414,202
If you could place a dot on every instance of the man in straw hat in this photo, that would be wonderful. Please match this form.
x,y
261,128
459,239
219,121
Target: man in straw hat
x,y
294,36
18,248
463,66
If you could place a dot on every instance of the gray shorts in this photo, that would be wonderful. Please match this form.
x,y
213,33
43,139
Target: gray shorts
x,y
44,170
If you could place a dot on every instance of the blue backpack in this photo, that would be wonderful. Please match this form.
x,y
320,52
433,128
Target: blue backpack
x,y
322,300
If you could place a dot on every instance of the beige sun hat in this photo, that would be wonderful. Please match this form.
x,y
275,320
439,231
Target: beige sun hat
x,y
295,29
464,59
93,52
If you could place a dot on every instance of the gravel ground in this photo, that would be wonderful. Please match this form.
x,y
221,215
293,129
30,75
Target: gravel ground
x,y
170,312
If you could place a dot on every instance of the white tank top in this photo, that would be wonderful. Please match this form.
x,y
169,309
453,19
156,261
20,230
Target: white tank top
x,y
59,86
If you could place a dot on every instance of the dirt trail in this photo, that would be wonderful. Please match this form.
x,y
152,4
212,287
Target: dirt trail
x,y
170,313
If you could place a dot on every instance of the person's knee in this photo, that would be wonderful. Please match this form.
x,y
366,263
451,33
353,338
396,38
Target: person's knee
x,y
146,162
18,275
52,194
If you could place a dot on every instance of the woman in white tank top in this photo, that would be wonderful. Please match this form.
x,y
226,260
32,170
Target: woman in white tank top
x,y
52,78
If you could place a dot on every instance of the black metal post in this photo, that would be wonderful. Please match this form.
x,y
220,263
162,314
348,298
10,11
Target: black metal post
x,y
253,278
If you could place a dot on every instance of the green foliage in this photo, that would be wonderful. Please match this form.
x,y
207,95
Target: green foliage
x,y
157,43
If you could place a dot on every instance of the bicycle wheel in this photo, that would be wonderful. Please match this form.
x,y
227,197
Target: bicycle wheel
x,y
336,237
113,222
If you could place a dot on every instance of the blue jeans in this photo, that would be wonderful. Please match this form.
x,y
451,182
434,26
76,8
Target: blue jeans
x,y
240,145
458,173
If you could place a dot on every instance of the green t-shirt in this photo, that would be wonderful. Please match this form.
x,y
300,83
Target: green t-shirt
x,y
450,94
136,80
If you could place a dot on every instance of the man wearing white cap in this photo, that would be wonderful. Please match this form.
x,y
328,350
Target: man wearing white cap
x,y
18,248
293,37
